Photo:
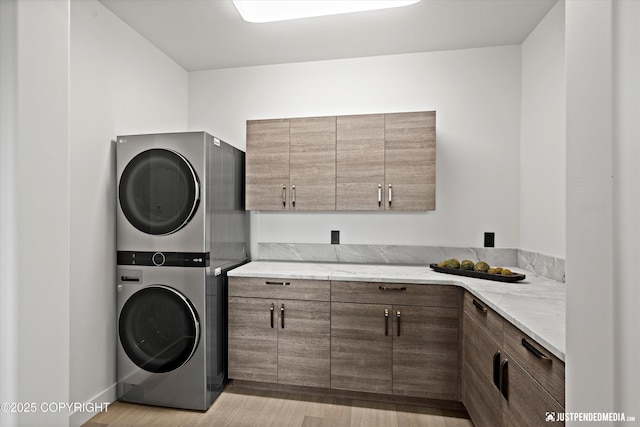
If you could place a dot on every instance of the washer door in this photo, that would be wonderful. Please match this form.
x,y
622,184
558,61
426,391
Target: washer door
x,y
159,191
159,329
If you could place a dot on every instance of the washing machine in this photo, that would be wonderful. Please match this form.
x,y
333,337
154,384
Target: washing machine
x,y
171,331
180,193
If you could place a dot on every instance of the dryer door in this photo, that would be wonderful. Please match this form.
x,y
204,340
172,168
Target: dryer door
x,y
159,329
159,191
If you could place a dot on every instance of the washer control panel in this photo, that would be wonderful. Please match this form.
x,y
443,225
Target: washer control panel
x,y
164,259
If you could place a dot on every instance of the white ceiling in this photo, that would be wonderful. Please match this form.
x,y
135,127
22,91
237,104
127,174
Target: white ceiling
x,y
210,34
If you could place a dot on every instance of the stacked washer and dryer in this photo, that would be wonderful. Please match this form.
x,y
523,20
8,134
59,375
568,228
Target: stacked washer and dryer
x,y
181,225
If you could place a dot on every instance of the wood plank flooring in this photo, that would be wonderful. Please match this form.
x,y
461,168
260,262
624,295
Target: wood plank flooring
x,y
240,407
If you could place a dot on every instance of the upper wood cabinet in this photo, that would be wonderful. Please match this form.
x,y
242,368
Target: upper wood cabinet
x,y
410,161
361,162
267,164
312,163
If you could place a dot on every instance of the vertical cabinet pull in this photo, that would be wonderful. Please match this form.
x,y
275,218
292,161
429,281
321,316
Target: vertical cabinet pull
x,y
390,195
386,322
379,195
282,316
398,319
504,379
496,369
272,309
293,196
284,195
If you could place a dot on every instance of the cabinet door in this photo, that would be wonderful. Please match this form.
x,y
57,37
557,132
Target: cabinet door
x,y
360,162
425,352
267,165
410,161
304,342
361,340
480,395
253,347
312,155
528,403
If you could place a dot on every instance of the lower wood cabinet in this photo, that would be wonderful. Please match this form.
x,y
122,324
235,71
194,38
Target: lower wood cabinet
x,y
279,340
480,375
426,341
396,348
426,352
253,342
498,386
361,351
528,403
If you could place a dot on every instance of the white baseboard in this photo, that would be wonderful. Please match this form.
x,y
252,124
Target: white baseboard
x,y
98,402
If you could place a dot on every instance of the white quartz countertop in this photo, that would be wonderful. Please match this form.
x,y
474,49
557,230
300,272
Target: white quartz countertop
x,y
535,305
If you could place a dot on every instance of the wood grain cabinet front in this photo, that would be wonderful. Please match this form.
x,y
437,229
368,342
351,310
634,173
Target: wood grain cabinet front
x,y
312,164
350,163
385,341
283,339
410,161
267,165
507,378
291,164
360,163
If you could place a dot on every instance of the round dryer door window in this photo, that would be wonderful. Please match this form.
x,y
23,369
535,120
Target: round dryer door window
x,y
159,191
159,329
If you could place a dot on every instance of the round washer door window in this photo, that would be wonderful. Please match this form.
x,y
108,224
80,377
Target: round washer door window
x,y
159,329
159,191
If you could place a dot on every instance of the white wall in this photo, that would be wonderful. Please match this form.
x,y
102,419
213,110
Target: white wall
x,y
8,239
476,94
542,137
120,84
589,262
626,206
39,206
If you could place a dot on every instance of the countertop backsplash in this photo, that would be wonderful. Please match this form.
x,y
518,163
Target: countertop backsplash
x,y
544,265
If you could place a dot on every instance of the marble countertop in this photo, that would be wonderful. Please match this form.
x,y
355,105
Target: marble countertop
x,y
535,305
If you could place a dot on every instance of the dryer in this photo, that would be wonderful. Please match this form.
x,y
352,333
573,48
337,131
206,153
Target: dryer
x,y
180,193
171,331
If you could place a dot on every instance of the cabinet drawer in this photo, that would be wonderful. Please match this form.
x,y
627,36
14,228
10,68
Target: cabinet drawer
x,y
395,293
491,321
253,287
528,402
543,366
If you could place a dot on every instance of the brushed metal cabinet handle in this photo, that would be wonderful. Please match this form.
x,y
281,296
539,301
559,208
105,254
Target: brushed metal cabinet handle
x,y
480,306
386,322
398,319
282,316
293,196
270,283
387,288
284,196
379,195
272,309
390,195
537,353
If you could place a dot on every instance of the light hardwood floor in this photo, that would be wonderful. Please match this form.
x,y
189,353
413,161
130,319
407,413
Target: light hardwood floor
x,y
240,407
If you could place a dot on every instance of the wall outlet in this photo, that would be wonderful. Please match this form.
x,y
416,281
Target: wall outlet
x,y
335,237
489,240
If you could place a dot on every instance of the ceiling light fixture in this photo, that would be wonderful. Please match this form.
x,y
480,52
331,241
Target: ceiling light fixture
x,y
258,11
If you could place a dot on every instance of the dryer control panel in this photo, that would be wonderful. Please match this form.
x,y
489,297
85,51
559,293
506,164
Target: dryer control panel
x,y
164,259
